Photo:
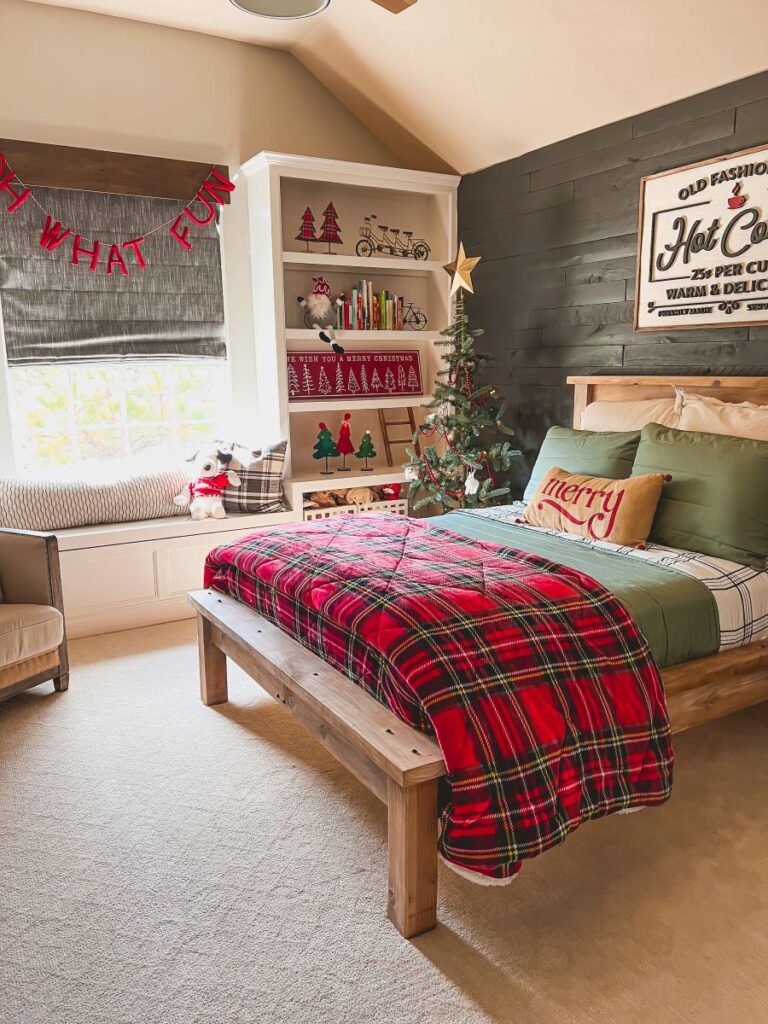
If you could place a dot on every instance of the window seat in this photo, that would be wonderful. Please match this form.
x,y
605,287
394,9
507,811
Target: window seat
x,y
80,537
124,575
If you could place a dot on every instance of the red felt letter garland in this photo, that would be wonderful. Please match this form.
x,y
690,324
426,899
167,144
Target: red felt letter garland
x,y
135,245
52,234
180,235
19,198
79,250
115,259
212,192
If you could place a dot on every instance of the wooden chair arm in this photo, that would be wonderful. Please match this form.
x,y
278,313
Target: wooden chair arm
x,y
29,568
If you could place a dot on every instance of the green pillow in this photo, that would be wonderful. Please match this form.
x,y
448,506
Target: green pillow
x,y
716,501
595,453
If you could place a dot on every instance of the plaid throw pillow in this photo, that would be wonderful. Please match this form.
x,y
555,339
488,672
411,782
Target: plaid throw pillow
x,y
261,478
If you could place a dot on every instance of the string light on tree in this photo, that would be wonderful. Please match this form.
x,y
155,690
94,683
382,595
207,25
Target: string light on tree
x,y
468,463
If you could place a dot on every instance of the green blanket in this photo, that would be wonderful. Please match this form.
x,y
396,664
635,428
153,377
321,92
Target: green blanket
x,y
676,613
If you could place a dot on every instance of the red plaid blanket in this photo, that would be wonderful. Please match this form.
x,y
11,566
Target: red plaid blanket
x,y
536,682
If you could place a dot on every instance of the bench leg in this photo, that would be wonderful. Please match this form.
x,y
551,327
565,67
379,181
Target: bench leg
x,y
213,666
61,683
413,857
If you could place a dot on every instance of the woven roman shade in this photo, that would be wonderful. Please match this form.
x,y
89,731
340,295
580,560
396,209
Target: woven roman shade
x,y
54,312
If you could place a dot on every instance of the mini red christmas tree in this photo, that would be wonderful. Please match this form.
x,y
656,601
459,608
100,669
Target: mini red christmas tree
x,y
331,231
307,229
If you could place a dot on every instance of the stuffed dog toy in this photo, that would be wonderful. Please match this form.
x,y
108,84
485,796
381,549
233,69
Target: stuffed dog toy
x,y
204,494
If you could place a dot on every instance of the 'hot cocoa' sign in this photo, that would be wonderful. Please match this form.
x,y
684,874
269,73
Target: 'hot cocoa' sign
x,y
703,258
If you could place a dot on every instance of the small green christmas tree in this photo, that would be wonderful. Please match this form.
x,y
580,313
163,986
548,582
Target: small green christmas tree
x,y
366,451
469,462
325,448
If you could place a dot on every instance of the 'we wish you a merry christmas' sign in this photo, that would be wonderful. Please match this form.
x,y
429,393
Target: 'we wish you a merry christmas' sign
x,y
703,259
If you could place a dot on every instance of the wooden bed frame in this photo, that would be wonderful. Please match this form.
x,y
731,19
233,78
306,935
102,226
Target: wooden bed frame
x,y
396,762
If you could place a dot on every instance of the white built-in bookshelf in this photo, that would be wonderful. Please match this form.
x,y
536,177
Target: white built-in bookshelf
x,y
280,188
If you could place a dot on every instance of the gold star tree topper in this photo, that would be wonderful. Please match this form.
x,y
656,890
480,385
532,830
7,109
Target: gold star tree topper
x,y
461,270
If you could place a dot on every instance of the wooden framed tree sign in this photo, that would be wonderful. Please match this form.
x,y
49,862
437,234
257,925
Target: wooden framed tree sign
x,y
703,245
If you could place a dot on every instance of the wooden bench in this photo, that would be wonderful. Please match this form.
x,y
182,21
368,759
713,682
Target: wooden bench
x,y
397,763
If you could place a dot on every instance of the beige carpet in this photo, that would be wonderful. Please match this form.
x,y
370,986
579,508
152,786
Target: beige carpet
x,y
163,862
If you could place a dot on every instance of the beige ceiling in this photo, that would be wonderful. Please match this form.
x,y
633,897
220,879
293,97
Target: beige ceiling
x,y
480,81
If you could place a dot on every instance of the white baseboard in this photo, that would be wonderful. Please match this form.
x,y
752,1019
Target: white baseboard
x,y
113,619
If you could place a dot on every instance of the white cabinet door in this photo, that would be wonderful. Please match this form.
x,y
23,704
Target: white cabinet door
x,y
108,576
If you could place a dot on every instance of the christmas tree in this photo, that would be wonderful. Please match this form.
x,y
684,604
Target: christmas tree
x,y
468,464
325,448
366,451
293,380
307,229
331,232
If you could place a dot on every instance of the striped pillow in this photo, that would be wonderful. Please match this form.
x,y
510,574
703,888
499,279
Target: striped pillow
x,y
63,504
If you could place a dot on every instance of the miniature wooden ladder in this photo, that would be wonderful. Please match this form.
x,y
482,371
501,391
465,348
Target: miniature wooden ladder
x,y
389,441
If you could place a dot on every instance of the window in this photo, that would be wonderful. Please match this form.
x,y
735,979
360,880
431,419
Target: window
x,y
113,415
110,374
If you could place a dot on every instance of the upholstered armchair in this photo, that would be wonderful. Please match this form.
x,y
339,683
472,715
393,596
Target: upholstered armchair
x,y
33,642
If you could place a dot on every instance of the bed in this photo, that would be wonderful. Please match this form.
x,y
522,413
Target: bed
x,y
712,663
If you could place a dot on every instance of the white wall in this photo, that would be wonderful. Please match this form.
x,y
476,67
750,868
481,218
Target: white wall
x,y
80,79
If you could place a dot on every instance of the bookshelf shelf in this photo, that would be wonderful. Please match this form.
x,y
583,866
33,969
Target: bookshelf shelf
x,y
404,339
356,404
305,483
280,187
364,264
354,479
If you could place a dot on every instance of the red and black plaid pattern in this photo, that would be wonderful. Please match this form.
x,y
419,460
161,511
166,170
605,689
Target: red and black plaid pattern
x,y
538,685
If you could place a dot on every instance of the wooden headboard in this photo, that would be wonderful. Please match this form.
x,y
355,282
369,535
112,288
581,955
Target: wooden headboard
x,y
626,389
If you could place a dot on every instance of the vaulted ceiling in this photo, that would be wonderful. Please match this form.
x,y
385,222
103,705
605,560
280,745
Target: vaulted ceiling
x,y
468,83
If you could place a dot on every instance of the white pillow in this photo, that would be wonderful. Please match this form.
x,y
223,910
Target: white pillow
x,y
631,415
742,419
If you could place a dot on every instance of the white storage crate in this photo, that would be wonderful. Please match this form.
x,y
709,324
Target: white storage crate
x,y
399,507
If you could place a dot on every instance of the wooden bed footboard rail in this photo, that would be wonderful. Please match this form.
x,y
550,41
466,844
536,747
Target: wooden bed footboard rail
x,y
399,764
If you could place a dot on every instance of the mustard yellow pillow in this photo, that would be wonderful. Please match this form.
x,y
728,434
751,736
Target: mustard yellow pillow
x,y
619,511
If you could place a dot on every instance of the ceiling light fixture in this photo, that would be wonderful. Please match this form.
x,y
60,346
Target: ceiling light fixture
x,y
287,9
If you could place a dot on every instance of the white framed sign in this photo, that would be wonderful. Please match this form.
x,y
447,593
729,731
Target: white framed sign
x,y
703,245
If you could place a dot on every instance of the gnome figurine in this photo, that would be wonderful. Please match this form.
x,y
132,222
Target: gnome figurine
x,y
320,312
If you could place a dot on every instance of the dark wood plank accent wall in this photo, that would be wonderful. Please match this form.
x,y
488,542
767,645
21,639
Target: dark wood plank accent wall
x,y
557,230
96,170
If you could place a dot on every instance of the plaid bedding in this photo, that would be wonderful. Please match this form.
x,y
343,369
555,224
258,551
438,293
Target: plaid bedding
x,y
739,591
540,689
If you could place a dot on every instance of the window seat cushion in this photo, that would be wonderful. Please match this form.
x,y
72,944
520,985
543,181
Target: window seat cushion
x,y
63,504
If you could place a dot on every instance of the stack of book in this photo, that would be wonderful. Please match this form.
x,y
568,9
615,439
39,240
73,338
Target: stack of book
x,y
367,310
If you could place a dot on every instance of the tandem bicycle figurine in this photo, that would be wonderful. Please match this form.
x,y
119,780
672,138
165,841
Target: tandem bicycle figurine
x,y
375,237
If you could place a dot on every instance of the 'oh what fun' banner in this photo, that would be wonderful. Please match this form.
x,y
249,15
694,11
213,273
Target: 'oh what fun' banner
x,y
111,257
